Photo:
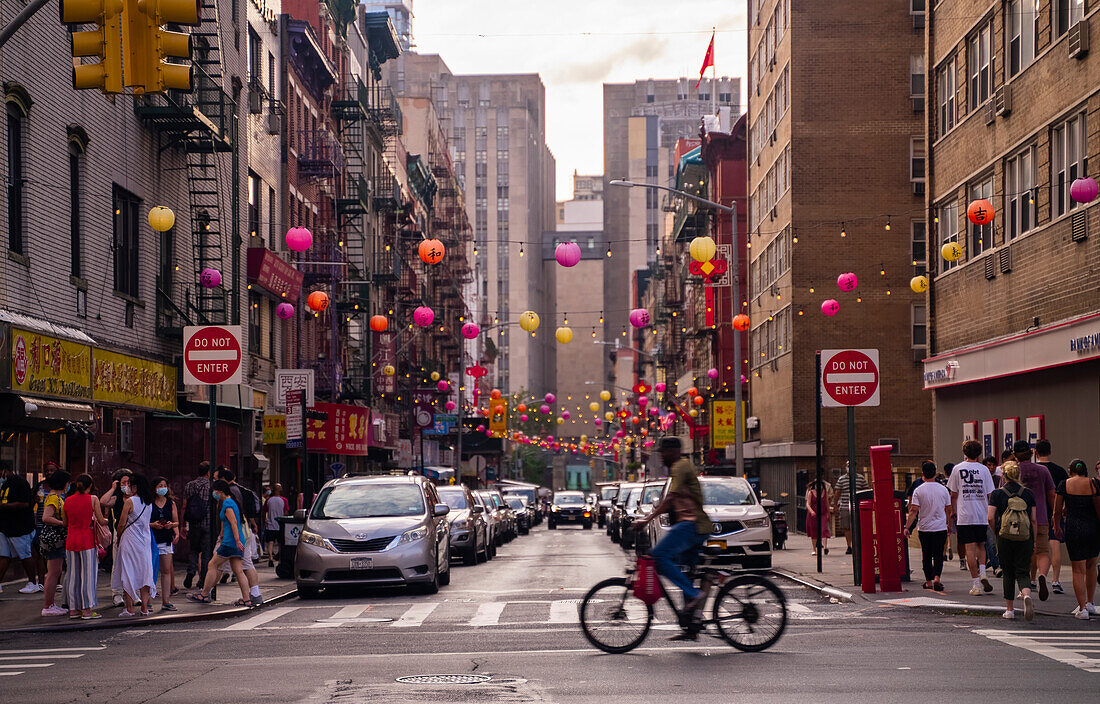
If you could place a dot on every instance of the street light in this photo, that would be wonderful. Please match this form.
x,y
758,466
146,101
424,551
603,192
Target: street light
x,y
738,421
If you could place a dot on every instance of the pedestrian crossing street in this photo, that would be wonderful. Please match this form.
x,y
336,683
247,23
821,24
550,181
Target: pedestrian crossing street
x,y
1080,649
19,662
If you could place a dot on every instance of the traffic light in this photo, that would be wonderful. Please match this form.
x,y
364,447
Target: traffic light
x,y
145,45
104,42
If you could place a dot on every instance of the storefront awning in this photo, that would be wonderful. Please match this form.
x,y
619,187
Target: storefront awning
x,y
48,409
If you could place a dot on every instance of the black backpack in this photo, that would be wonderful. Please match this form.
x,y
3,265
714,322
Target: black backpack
x,y
197,509
250,505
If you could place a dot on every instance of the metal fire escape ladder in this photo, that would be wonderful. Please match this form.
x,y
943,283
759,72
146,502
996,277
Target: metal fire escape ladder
x,y
353,194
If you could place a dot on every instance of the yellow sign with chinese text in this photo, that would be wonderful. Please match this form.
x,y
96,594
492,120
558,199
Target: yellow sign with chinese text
x,y
132,381
498,422
723,430
274,429
50,366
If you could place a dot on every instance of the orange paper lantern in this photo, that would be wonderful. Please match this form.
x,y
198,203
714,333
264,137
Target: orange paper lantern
x,y
378,323
431,251
522,408
980,212
318,301
494,394
741,322
693,391
698,400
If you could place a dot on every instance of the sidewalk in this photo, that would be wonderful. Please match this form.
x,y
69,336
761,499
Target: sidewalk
x,y
22,612
799,561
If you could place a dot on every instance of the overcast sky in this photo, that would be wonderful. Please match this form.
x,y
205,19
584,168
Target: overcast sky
x,y
577,46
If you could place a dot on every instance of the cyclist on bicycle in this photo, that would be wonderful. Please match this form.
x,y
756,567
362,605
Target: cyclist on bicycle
x,y
690,524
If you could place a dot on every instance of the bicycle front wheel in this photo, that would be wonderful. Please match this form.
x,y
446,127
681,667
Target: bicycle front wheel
x,y
750,613
612,618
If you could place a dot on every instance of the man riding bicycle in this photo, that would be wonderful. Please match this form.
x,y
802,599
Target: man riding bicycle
x,y
690,524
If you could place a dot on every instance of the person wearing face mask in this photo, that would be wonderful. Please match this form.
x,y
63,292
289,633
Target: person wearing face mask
x,y
52,543
230,549
165,524
275,506
112,502
134,562
40,506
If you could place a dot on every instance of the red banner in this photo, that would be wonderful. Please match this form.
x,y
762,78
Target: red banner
x,y
268,270
345,432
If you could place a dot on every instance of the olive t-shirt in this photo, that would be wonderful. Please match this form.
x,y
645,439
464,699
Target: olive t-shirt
x,y
685,482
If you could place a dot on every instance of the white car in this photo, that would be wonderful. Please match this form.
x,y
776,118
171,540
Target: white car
x,y
741,532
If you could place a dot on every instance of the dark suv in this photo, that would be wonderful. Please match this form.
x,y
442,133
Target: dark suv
x,y
570,507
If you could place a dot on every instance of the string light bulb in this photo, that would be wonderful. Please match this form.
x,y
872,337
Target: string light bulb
x,y
843,231
609,249
887,223
521,250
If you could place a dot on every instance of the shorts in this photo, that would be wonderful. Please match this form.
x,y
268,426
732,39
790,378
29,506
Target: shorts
x,y
246,558
55,555
845,523
1062,532
972,534
165,548
228,551
1042,540
17,546
271,535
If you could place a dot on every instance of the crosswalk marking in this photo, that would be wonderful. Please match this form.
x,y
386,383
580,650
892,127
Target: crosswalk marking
x,y
39,657
51,650
1063,646
28,664
260,619
415,615
16,662
488,614
564,612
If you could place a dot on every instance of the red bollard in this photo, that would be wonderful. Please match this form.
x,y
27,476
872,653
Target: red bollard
x,y
868,563
887,522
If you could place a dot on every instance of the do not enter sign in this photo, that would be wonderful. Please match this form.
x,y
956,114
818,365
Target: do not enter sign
x,y
849,378
212,354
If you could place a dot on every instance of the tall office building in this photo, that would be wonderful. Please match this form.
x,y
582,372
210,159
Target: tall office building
x,y
641,123
401,16
835,186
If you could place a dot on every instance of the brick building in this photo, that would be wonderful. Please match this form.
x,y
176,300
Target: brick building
x,y
835,186
1012,118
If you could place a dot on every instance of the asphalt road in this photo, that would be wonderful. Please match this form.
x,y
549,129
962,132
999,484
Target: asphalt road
x,y
514,620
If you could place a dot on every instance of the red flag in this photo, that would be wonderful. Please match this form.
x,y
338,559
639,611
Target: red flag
x,y
708,60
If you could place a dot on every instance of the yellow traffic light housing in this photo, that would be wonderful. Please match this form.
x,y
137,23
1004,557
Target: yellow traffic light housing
x,y
146,45
105,42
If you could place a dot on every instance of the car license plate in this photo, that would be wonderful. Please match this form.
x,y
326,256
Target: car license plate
x,y
720,544
362,563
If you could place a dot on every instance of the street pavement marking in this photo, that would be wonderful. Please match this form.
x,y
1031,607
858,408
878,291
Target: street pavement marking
x,y
415,615
1064,646
341,617
260,619
10,674
50,650
39,657
28,664
567,611
488,614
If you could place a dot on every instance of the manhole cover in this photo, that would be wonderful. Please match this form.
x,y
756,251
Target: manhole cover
x,y
444,679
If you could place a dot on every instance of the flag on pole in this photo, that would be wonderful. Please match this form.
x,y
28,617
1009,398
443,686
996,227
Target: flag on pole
x,y
708,60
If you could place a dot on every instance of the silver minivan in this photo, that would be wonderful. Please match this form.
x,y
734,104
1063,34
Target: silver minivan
x,y
377,531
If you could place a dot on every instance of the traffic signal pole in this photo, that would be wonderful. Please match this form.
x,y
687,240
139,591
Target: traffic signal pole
x,y
25,14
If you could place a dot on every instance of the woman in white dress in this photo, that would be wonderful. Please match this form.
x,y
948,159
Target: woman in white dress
x,y
135,554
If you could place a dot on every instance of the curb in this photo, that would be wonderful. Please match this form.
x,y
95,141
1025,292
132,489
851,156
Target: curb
x,y
152,620
823,589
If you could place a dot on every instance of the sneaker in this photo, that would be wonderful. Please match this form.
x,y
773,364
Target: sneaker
x,y
31,588
998,573
986,585
1092,609
962,566
848,551
1034,587
1010,614
256,601
119,601
54,610
1056,587
126,614
975,590
92,616
1043,591
187,581
938,586
1078,613
1029,608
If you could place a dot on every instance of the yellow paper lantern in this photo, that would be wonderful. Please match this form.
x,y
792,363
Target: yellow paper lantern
x,y
161,218
593,406
584,438
529,321
388,370
919,284
609,416
564,335
951,251
560,421
693,413
702,249
605,395
435,376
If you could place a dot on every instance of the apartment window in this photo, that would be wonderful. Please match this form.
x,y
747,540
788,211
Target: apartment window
x,y
255,322
725,98
1023,30
980,65
16,179
649,98
271,76
127,210
981,236
919,324
916,76
75,188
946,97
1067,14
916,159
918,236
916,7
254,186
1068,162
255,56
948,215
1020,192
272,236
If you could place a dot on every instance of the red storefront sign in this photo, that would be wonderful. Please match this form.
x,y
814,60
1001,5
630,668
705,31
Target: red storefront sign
x,y
268,270
345,432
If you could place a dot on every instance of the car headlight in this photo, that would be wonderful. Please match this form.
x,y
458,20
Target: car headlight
x,y
458,524
411,536
310,538
663,520
756,522
555,508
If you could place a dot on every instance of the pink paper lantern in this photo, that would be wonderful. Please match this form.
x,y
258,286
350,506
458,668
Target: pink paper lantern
x,y
565,415
423,316
619,433
660,387
639,317
1084,190
284,311
523,417
567,253
642,401
712,373
450,405
744,379
654,411
830,307
847,282
470,331
299,239
549,398
480,428
443,385
210,278
544,408
599,422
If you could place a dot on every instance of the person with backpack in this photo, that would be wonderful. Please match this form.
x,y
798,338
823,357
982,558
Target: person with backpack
x,y
1077,508
196,516
250,511
1012,516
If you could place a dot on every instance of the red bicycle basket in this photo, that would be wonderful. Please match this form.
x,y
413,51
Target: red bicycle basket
x,y
646,585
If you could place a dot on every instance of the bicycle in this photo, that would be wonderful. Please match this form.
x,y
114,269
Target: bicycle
x,y
749,611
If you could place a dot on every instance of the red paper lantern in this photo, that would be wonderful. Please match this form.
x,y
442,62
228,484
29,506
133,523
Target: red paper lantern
x,y
494,394
693,391
317,301
980,212
431,251
741,322
698,400
522,408
378,323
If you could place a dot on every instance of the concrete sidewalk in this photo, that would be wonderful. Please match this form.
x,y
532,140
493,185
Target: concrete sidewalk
x,y
22,612
798,561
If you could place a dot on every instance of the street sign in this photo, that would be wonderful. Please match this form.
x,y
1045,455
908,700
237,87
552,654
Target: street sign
x,y
212,354
444,424
288,379
849,378
294,421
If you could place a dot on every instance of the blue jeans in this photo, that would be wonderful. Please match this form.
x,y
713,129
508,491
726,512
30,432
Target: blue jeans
x,y
670,551
991,559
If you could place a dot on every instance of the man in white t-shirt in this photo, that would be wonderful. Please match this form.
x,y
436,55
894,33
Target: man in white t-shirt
x,y
970,485
930,507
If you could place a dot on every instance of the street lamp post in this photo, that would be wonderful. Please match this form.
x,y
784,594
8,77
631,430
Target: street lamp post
x,y
731,210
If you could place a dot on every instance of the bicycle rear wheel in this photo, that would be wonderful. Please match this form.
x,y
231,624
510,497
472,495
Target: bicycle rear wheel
x,y
612,618
750,613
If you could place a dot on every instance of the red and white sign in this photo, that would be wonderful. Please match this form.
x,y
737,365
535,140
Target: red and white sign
x,y
849,378
212,354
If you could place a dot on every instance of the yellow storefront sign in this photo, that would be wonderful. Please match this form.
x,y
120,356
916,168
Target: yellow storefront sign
x,y
498,422
132,381
41,364
723,430
274,429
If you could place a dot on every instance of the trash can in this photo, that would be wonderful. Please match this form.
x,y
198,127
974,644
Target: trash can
x,y
290,529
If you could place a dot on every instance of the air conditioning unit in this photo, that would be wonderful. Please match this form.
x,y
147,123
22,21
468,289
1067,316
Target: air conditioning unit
x,y
255,100
752,422
1002,100
126,436
990,268
1004,259
1079,226
989,113
918,188
274,122
1079,40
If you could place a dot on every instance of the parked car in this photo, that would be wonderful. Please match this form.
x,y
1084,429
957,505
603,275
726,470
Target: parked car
x,y
492,520
608,492
741,532
469,529
525,513
530,494
569,507
618,508
507,513
383,531
499,516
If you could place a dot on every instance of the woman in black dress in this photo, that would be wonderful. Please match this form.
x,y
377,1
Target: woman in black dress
x,y
1078,500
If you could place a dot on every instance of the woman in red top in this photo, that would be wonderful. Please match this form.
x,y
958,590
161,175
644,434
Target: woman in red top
x,y
82,513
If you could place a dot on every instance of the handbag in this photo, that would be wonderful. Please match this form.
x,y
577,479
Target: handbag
x,y
646,585
102,536
51,539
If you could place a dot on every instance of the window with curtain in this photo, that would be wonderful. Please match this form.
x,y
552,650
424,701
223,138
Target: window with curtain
x,y
946,97
1068,162
980,65
948,229
1020,192
1022,19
